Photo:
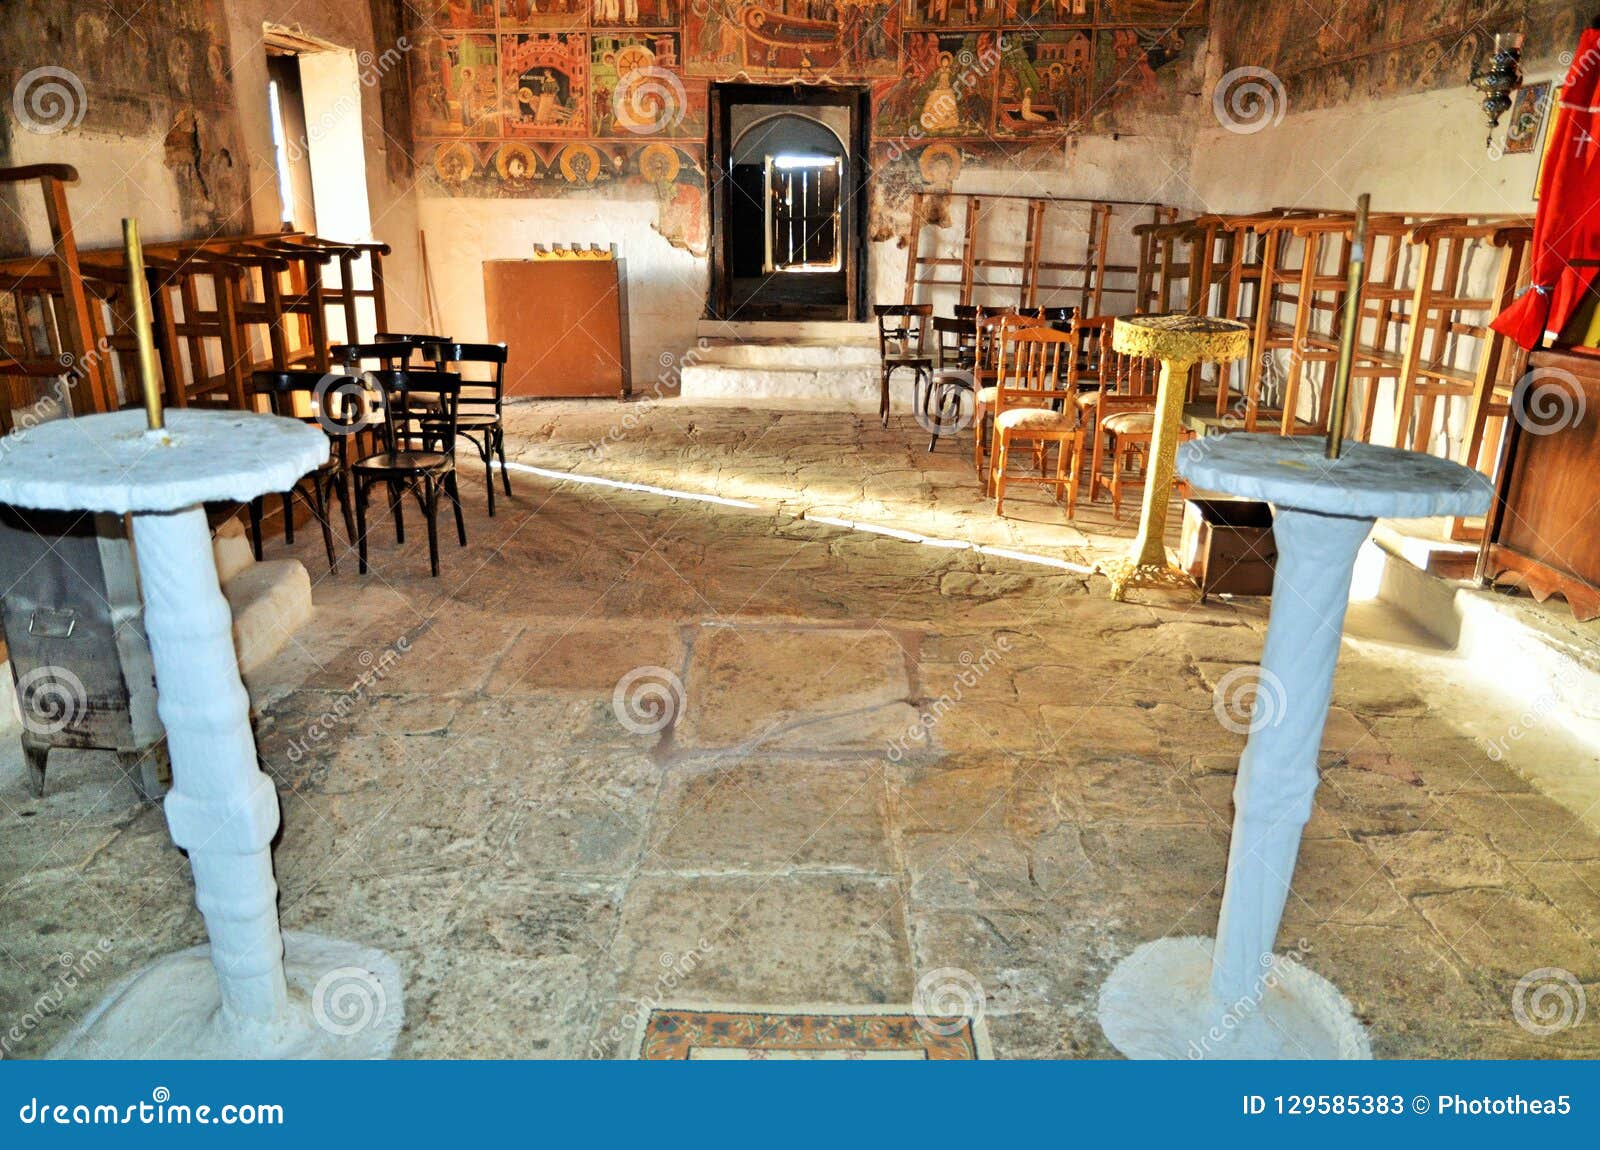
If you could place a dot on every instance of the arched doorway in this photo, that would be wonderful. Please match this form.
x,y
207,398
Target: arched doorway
x,y
789,204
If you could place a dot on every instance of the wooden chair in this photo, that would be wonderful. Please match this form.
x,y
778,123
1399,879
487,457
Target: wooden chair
x,y
1034,405
294,395
988,326
955,358
418,341
1094,362
1451,353
420,413
344,299
1126,427
63,344
900,346
388,355
293,300
1120,420
479,420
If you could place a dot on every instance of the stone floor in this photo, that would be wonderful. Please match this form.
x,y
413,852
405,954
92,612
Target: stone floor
x,y
632,747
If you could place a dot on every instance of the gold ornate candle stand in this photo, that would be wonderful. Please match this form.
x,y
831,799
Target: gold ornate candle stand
x,y
1179,342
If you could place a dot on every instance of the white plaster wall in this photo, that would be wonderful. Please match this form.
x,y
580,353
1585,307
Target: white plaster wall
x,y
118,176
391,206
666,286
331,80
1422,153
125,175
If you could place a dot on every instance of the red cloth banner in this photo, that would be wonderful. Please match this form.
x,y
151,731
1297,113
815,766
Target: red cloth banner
x,y
1567,226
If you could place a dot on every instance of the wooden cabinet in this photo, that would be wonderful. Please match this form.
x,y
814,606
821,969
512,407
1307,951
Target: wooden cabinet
x,y
565,321
1546,529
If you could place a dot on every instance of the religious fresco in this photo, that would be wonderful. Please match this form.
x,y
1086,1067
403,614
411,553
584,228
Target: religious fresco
x,y
458,13
949,14
637,90
551,97
1375,49
543,15
634,13
944,87
544,84
456,87
837,39
1046,81
157,72
1153,13
1128,62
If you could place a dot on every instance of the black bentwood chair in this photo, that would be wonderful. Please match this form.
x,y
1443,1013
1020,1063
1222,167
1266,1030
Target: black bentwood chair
x,y
314,489
901,328
956,357
388,354
419,431
479,420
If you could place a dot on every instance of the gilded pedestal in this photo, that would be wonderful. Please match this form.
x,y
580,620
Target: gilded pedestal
x,y
1179,342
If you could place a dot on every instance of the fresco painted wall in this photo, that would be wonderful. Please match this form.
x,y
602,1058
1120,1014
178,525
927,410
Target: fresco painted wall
x,y
1382,49
547,98
161,76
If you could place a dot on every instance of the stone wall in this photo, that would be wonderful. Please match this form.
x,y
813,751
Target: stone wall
x,y
162,108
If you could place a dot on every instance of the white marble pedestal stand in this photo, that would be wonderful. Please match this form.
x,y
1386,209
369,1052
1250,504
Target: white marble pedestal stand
x,y
1233,998
253,992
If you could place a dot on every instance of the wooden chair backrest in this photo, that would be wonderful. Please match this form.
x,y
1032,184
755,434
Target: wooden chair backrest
x,y
478,396
988,330
1037,368
897,334
421,409
956,343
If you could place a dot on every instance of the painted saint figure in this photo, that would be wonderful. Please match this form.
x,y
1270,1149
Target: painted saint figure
x,y
939,112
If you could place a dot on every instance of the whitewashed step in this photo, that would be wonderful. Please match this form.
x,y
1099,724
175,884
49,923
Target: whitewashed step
x,y
845,388
804,331
790,354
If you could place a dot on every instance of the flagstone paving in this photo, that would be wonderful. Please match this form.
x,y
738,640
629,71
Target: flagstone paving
x,y
632,748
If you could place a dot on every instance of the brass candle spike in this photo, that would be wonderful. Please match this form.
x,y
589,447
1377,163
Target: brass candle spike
x,y
1339,406
139,290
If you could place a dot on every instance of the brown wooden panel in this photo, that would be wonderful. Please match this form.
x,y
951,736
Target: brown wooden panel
x,y
562,321
1552,493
